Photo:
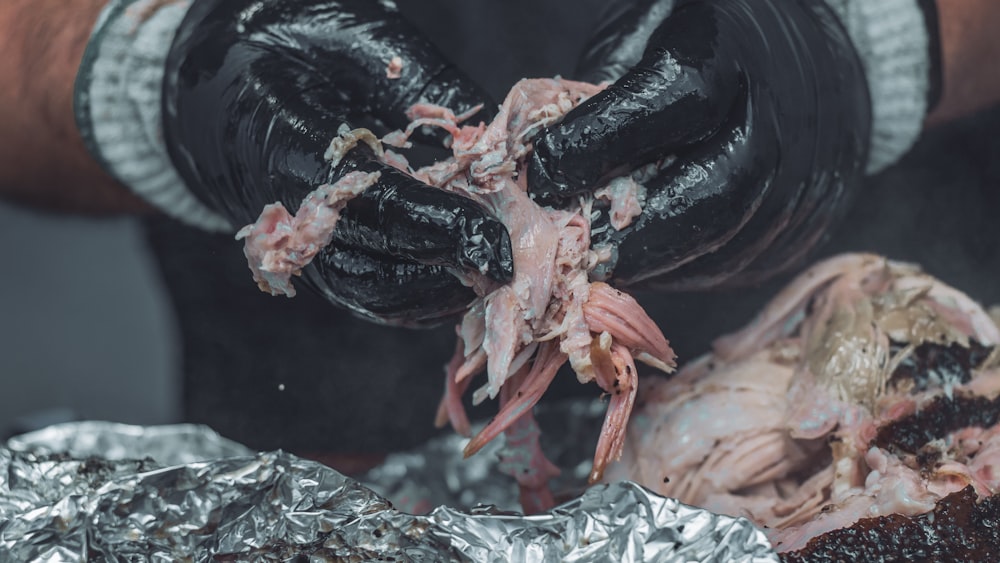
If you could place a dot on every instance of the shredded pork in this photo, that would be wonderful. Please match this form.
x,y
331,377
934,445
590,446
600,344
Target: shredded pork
x,y
788,421
280,244
520,333
551,313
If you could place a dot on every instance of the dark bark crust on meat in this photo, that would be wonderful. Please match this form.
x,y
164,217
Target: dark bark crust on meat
x,y
933,364
940,417
958,529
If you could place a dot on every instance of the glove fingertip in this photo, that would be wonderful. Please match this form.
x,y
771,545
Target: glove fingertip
x,y
496,253
387,289
598,139
542,186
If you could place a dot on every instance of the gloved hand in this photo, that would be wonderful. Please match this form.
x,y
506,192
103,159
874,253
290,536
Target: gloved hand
x,y
254,92
765,107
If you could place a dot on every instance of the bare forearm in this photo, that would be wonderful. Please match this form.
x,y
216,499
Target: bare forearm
x,y
970,57
43,161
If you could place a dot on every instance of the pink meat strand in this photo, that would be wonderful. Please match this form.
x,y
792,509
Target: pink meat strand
x,y
278,245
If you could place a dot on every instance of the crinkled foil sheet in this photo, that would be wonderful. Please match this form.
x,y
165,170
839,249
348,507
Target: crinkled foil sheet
x,y
109,492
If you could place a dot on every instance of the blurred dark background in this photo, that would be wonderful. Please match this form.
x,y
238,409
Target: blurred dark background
x,y
158,322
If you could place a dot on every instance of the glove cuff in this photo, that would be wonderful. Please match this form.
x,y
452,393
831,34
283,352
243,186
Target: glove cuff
x,y
897,43
117,102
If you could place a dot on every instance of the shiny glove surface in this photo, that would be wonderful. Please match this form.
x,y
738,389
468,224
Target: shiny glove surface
x,y
255,92
757,116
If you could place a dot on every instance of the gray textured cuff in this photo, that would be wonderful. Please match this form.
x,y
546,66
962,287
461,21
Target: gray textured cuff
x,y
118,94
892,40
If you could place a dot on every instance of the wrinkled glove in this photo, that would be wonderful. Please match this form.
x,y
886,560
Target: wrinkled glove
x,y
758,115
254,92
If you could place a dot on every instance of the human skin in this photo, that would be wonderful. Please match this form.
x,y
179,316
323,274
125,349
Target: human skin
x,y
44,163
970,51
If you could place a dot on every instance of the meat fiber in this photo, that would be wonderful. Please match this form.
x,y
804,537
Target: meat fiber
x,y
865,389
626,197
523,332
280,244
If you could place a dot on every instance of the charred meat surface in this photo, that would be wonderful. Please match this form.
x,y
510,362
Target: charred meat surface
x,y
932,364
936,420
960,528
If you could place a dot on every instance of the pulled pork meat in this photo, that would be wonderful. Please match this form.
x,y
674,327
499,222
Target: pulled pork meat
x,y
523,332
864,390
280,244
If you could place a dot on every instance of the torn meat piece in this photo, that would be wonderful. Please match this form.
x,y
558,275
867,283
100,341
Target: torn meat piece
x,y
626,197
279,244
346,140
809,420
395,68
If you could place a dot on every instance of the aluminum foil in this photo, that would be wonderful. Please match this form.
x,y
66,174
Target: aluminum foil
x,y
108,492
436,474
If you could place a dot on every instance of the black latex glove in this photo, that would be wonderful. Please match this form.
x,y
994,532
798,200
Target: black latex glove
x,y
254,93
765,106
